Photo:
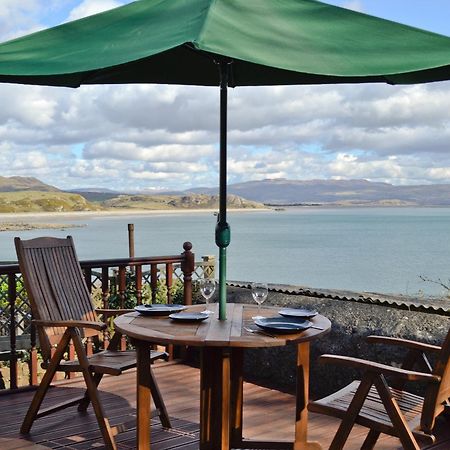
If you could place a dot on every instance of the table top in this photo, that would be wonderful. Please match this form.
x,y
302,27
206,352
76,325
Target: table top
x,y
213,332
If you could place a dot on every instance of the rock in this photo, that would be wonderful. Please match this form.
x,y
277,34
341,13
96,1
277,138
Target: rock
x,y
351,322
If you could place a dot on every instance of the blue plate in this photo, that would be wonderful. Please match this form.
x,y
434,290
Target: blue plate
x,y
298,312
158,309
283,325
189,317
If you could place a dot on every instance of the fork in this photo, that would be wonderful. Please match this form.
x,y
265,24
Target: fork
x,y
251,330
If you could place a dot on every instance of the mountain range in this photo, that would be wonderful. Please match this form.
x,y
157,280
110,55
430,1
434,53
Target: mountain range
x,y
26,194
271,192
14,184
337,192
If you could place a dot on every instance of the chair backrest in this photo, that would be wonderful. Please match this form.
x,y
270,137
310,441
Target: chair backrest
x,y
437,395
55,285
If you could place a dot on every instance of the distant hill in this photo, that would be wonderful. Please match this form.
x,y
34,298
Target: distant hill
x,y
20,194
13,184
32,201
96,195
194,201
26,194
337,192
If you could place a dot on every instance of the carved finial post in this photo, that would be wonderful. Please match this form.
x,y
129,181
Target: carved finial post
x,y
187,267
131,240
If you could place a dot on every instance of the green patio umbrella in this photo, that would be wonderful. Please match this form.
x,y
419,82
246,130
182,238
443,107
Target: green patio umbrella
x,y
226,43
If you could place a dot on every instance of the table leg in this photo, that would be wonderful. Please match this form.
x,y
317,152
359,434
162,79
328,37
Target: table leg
x,y
237,396
143,395
301,414
215,399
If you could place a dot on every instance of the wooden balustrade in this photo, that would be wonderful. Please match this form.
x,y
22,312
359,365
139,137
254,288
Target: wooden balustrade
x,y
108,280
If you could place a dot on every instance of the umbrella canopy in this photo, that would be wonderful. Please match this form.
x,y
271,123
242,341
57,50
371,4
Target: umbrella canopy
x,y
271,42
226,43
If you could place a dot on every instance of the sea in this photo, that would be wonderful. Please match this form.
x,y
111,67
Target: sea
x,y
383,250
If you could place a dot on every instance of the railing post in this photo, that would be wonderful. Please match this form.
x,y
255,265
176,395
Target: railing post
x,y
187,267
33,363
12,330
169,279
105,287
154,280
138,275
131,240
105,303
122,285
88,278
122,295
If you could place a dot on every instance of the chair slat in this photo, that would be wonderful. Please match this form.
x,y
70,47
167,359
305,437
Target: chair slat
x,y
392,410
58,292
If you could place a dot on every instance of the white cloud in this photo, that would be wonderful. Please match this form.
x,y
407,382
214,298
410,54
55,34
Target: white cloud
x,y
145,136
90,7
439,174
355,5
17,18
132,152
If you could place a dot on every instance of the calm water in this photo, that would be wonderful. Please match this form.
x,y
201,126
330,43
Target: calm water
x,y
373,249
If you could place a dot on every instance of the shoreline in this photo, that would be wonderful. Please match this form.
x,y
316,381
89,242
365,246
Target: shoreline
x,y
123,212
27,226
65,215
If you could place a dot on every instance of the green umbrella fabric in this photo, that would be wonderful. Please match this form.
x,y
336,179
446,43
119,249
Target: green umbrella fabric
x,y
226,43
271,42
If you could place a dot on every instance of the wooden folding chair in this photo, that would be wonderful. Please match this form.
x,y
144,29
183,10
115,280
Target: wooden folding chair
x,y
63,312
387,407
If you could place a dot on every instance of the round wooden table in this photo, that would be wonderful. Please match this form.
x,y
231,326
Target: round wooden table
x,y
221,374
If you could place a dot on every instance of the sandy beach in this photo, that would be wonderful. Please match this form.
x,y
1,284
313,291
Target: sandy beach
x,y
12,217
49,220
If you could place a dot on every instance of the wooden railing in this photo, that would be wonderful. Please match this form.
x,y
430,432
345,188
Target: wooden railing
x,y
114,283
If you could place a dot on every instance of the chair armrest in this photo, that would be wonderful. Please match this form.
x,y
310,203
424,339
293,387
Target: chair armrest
x,y
71,324
384,369
404,343
112,312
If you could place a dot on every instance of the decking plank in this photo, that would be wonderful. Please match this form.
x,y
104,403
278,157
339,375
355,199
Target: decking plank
x,y
180,386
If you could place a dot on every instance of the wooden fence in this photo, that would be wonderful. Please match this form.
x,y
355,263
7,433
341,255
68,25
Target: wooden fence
x,y
114,283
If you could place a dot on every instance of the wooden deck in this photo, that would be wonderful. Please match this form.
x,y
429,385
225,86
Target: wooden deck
x,y
268,414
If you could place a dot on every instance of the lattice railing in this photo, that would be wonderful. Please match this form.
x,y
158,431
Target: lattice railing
x,y
161,279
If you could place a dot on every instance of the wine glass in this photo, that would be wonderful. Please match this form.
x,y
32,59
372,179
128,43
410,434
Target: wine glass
x,y
207,289
259,293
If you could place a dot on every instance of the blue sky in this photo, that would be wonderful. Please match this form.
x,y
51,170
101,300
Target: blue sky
x,y
154,137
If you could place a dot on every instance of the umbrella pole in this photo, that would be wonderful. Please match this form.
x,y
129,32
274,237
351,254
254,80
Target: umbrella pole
x,y
222,227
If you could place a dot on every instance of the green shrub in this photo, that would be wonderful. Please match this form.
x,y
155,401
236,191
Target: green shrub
x,y
130,300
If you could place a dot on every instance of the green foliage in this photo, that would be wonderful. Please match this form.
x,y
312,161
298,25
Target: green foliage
x,y
130,296
31,201
4,287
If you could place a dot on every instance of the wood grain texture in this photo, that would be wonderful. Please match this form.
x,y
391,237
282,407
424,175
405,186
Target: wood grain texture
x,y
180,386
213,332
64,314
221,343
389,408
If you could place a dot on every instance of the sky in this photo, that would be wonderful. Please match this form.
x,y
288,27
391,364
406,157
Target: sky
x,y
147,138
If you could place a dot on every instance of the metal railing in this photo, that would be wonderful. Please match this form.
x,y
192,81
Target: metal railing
x,y
114,284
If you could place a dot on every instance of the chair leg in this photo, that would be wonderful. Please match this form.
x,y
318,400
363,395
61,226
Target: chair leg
x,y
84,403
92,392
45,384
400,425
371,440
159,402
352,413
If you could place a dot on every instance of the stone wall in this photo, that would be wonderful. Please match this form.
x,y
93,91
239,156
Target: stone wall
x,y
351,323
